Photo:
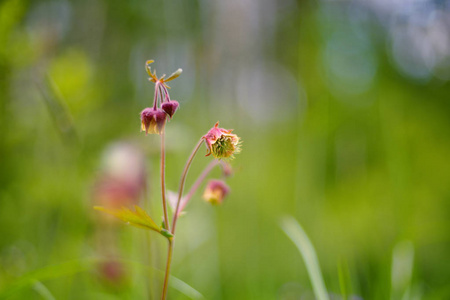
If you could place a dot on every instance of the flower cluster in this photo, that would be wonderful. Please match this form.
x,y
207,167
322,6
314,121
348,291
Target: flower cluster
x,y
154,118
221,144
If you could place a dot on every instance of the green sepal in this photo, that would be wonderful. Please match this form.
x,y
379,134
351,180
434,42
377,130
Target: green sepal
x,y
166,233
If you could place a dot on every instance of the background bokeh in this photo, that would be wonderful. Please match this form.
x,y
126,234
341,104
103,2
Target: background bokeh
x,y
343,107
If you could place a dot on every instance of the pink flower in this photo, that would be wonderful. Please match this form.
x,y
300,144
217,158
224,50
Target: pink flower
x,y
221,143
215,191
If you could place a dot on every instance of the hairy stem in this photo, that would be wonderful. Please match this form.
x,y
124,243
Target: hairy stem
x,y
166,92
182,181
163,181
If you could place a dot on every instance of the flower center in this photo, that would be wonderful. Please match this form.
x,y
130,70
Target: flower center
x,y
223,147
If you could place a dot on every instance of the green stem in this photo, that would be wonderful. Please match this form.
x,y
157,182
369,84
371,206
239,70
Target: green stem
x,y
182,181
166,276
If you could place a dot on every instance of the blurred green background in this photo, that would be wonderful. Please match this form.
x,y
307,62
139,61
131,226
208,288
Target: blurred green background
x,y
343,108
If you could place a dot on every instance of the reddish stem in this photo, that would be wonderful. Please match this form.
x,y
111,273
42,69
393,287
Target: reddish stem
x,y
166,91
182,182
163,180
196,185
155,99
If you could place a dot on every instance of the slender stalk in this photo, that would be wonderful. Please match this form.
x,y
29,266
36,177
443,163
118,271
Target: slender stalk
x,y
166,276
155,100
197,184
175,217
182,181
166,92
161,97
163,181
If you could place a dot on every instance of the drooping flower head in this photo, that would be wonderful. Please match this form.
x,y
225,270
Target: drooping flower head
x,y
216,191
154,118
221,143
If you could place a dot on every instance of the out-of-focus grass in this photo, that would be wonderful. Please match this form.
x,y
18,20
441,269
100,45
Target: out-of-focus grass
x,y
298,236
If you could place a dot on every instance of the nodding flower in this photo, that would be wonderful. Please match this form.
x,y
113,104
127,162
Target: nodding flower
x,y
216,191
221,143
154,118
170,107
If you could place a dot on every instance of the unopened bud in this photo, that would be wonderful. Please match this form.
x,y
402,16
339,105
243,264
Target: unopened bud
x,y
170,107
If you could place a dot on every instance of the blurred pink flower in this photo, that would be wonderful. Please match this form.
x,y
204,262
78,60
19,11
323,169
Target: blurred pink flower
x,y
216,191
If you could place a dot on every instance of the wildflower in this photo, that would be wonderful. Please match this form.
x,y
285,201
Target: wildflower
x,y
216,191
221,143
153,120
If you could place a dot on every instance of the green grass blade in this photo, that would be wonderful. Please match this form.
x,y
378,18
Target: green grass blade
x,y
174,282
401,270
342,283
185,288
344,277
43,290
296,233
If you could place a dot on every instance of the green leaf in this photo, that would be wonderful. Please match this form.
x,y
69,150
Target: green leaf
x,y
138,218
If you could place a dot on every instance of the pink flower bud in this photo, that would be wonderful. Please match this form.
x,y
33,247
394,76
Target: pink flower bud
x,y
221,143
170,107
215,191
153,120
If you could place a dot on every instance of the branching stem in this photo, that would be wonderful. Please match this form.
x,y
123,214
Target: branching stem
x,y
182,182
196,185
